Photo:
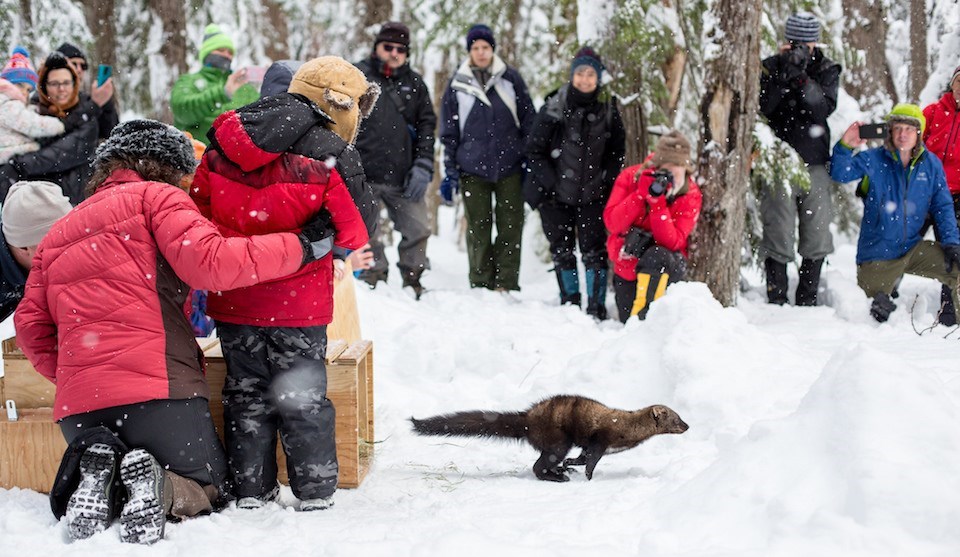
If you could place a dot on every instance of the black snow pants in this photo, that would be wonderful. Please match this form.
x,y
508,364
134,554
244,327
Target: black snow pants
x,y
277,382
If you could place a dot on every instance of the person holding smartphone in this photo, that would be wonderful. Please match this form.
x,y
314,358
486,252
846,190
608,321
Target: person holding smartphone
x,y
101,90
798,91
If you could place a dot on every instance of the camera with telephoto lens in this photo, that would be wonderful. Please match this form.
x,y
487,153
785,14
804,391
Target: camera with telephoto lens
x,y
662,180
798,55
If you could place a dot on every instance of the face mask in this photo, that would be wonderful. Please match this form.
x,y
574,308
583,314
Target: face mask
x,y
218,62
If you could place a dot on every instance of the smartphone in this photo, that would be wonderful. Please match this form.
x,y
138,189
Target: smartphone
x,y
255,73
103,74
873,131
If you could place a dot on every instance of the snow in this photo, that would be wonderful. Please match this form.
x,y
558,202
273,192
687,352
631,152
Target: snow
x,y
813,431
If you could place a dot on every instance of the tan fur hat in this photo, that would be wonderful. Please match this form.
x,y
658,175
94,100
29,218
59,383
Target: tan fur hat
x,y
673,148
339,89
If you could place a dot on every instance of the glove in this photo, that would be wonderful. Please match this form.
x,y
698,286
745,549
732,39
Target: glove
x,y
418,179
449,186
316,237
951,257
792,74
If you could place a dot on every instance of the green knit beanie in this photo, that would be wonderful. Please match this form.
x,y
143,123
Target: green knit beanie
x,y
214,39
908,114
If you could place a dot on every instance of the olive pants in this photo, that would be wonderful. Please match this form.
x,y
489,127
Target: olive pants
x,y
494,263
924,259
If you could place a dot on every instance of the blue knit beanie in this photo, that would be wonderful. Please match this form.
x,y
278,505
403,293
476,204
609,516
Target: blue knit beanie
x,y
18,69
482,33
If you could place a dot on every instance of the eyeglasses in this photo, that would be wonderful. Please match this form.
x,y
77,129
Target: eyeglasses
x,y
59,84
399,48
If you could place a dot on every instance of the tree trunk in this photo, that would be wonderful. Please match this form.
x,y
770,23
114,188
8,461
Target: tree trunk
x,y
728,115
919,73
100,21
173,51
635,129
276,31
376,12
867,76
507,46
673,79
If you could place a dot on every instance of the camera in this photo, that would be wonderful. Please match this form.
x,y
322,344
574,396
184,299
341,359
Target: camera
x,y
662,180
798,55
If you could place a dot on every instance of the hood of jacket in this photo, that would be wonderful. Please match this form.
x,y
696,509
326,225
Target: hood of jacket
x,y
255,135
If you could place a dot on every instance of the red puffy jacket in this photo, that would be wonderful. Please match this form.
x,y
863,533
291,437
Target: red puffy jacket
x,y
102,313
254,179
669,220
942,137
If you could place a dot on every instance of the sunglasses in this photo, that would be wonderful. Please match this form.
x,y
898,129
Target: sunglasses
x,y
399,48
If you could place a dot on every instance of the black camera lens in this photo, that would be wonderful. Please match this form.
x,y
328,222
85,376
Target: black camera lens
x,y
662,180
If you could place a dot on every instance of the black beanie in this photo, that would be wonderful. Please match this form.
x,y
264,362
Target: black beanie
x,y
393,32
70,51
148,139
586,56
480,32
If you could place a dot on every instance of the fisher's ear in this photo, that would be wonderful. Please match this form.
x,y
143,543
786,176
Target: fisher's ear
x,y
659,414
369,99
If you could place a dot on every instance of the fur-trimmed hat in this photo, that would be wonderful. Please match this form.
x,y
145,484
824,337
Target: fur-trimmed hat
x,y
214,39
672,148
586,56
906,113
29,211
393,32
148,139
18,68
340,90
480,32
802,27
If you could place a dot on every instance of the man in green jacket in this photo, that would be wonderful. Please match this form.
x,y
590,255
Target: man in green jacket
x,y
198,98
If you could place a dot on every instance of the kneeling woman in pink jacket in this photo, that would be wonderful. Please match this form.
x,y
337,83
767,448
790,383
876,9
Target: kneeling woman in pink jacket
x,y
102,317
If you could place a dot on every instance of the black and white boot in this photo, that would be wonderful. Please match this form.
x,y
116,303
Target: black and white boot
x,y
144,516
91,507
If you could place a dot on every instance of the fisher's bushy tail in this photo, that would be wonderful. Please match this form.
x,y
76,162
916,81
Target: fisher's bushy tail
x,y
475,423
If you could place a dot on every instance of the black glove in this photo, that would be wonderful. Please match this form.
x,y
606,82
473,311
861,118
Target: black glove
x,y
418,178
316,236
793,68
951,257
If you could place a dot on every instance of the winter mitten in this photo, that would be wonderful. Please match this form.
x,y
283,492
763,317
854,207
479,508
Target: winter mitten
x,y
951,257
449,186
418,179
316,237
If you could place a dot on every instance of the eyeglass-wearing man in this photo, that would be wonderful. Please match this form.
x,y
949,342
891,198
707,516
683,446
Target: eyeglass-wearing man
x,y
396,146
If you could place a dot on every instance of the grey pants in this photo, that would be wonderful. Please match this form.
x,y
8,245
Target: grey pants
x,y
924,259
780,209
277,381
410,219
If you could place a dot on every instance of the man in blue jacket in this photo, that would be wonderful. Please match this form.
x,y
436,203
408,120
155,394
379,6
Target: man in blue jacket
x,y
904,182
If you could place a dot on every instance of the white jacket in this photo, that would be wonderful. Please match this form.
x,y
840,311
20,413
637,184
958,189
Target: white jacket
x,y
20,125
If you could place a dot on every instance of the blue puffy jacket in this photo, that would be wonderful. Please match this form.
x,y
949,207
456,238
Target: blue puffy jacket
x,y
897,201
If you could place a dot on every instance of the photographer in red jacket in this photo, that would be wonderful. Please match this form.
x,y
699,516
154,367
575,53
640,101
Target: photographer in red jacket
x,y
652,211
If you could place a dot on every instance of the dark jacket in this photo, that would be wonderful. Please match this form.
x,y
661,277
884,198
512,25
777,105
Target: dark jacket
x,y
590,141
401,127
482,135
797,110
12,279
107,117
65,159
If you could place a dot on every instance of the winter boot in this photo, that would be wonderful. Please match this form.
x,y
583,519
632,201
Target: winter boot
x,y
948,313
597,293
92,507
257,502
372,277
809,282
776,282
569,282
882,307
144,516
318,504
184,497
413,281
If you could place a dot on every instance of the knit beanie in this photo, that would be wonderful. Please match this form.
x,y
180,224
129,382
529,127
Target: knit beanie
x,y
393,32
148,139
482,33
956,74
29,211
672,148
340,90
70,51
802,27
18,68
214,39
908,114
586,56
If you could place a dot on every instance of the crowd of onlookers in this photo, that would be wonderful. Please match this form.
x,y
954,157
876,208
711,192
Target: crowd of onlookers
x,y
269,183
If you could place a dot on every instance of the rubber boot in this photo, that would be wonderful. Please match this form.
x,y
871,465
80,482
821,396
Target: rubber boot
x,y
776,282
809,282
184,497
569,282
597,293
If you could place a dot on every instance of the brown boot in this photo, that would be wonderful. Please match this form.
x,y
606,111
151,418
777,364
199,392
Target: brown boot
x,y
183,497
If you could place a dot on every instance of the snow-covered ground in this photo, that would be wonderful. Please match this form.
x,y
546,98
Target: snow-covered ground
x,y
813,431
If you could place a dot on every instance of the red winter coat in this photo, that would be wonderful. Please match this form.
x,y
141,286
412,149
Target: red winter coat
x,y
670,221
256,178
942,137
102,312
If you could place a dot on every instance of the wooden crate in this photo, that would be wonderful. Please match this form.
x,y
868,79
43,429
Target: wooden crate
x,y
37,439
